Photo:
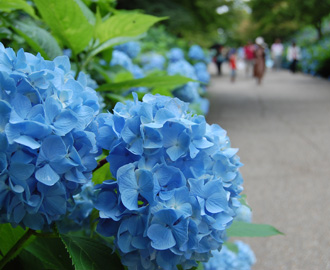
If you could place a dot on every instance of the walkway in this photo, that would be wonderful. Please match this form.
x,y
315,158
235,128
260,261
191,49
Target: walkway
x,y
282,129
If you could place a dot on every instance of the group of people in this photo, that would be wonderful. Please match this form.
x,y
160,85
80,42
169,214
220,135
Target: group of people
x,y
254,55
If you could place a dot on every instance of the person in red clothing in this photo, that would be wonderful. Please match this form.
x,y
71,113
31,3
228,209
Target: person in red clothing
x,y
232,64
249,58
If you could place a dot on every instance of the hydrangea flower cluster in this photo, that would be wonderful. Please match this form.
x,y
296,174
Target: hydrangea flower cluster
x,y
132,48
201,72
120,58
79,213
152,61
188,92
229,260
47,144
244,213
177,185
196,53
175,54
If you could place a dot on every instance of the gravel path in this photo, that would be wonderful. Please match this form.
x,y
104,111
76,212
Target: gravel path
x,y
282,129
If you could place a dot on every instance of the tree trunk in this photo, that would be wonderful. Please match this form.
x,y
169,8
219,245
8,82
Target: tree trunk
x,y
318,27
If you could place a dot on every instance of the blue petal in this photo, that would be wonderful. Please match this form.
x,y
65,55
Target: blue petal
x,y
52,108
180,232
21,171
129,198
161,237
65,122
126,177
47,176
22,106
118,157
146,184
152,138
216,203
27,141
53,148
124,242
19,213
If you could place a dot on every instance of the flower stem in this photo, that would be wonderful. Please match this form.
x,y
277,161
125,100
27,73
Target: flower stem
x,y
10,254
100,164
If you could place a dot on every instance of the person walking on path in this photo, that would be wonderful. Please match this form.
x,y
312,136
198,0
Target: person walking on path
x,y
293,56
218,58
259,62
232,64
249,58
277,52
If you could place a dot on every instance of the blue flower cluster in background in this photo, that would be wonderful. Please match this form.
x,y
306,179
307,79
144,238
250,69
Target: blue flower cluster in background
x,y
201,72
244,213
229,260
177,187
175,54
192,92
315,59
120,58
196,53
152,61
47,140
132,48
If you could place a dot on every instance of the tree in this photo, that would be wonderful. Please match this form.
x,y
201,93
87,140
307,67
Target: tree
x,y
195,20
311,12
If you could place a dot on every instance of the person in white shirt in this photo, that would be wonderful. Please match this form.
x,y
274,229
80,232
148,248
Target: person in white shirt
x,y
293,56
277,52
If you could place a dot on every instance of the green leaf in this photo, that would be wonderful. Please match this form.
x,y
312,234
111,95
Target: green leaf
x,y
109,44
89,254
67,21
10,5
231,246
149,81
244,229
9,236
200,266
27,261
87,12
123,76
102,174
51,252
116,98
243,201
162,91
124,25
39,39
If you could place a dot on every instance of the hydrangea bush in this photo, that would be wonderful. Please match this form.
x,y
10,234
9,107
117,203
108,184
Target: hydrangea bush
x,y
177,183
48,147
132,48
226,259
196,53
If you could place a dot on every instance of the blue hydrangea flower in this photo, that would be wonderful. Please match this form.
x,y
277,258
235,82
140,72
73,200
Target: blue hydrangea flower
x,y
177,187
188,92
229,260
196,53
47,147
131,48
182,67
79,212
175,54
120,58
152,61
244,213
201,72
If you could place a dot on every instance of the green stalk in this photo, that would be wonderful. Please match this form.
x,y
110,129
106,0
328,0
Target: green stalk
x,y
10,254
